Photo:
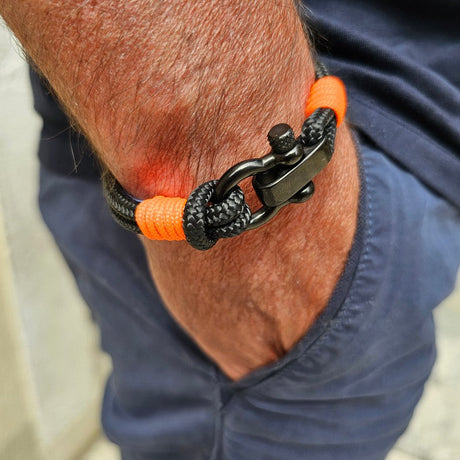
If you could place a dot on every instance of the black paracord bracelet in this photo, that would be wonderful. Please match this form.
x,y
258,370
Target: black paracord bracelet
x,y
217,209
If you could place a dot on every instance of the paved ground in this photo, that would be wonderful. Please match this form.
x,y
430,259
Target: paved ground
x,y
434,433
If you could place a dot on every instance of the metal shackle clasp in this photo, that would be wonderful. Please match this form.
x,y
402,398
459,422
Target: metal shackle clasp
x,y
281,177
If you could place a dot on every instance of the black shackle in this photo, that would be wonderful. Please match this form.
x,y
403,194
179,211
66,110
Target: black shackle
x,y
281,177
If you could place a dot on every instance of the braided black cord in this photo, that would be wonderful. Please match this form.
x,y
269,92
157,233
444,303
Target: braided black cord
x,y
322,122
205,222
122,205
127,224
320,70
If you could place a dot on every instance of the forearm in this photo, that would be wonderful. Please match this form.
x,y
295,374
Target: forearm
x,y
172,98
159,88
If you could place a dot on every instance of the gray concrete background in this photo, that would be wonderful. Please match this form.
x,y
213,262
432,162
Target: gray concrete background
x,y
56,338
63,368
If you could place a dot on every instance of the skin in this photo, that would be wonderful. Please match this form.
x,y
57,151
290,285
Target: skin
x,y
172,96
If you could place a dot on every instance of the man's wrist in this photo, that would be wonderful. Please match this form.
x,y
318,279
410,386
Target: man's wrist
x,y
171,100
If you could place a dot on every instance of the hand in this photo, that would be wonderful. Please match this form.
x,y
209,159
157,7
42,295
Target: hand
x,y
170,99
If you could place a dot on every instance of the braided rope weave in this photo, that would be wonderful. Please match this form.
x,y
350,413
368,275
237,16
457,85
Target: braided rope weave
x,y
121,205
204,225
202,222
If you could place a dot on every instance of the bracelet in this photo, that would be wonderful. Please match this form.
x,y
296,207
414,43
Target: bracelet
x,y
217,209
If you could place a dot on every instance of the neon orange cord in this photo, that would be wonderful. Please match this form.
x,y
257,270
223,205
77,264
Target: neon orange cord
x,y
328,93
160,218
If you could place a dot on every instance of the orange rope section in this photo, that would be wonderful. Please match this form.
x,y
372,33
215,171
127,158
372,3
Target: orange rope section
x,y
328,93
160,218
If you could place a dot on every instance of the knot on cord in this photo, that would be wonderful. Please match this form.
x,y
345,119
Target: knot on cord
x,y
205,222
